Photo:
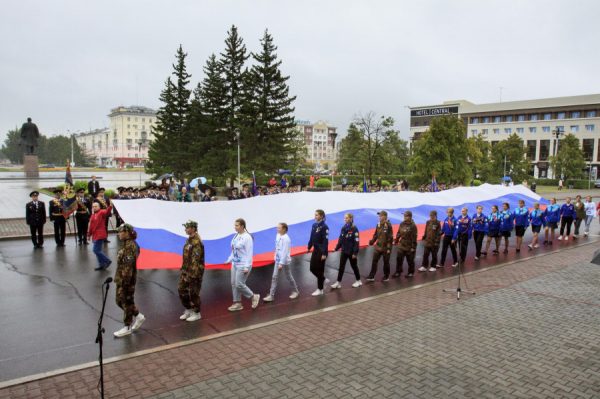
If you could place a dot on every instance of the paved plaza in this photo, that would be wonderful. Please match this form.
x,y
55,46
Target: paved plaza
x,y
530,331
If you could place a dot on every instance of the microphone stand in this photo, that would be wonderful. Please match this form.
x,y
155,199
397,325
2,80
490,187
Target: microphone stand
x,y
458,290
99,340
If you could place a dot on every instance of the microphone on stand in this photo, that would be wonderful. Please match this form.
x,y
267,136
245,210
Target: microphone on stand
x,y
108,280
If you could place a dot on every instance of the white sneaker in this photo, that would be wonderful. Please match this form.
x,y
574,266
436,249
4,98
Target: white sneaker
x,y
255,300
476,258
294,295
269,298
357,284
422,269
432,269
317,292
325,283
439,266
575,236
536,246
335,285
455,264
195,316
585,234
566,238
139,319
186,314
123,332
559,238
235,307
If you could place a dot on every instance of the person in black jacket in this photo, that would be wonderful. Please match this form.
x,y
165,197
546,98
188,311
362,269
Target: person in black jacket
x,y
349,244
93,187
35,216
82,216
319,238
55,212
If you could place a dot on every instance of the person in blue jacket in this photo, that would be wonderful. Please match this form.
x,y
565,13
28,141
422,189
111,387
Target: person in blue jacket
x,y
537,220
552,217
349,244
567,213
462,234
521,217
479,223
506,224
492,230
319,238
448,229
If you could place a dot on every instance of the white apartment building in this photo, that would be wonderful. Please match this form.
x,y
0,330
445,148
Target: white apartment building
x,y
127,140
540,123
319,142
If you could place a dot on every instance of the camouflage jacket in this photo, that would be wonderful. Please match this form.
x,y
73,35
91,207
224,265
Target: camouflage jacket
x,y
126,274
407,236
383,235
193,257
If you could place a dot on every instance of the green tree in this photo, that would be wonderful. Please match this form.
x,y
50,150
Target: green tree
x,y
232,63
351,150
517,164
394,156
479,150
569,161
443,149
267,114
11,147
171,149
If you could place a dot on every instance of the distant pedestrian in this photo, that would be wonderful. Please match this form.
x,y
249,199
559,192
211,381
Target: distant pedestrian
x,y
35,216
560,184
379,182
192,271
97,232
533,186
319,239
590,214
349,243
242,246
571,183
302,182
184,195
173,191
344,182
312,181
186,185
283,262
93,187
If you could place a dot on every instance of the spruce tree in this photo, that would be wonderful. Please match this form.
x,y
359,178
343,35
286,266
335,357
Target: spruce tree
x,y
170,150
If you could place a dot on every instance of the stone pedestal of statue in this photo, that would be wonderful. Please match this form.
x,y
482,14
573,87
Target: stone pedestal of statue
x,y
31,166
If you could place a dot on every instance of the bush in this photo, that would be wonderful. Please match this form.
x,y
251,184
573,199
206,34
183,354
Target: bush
x,y
580,184
109,193
79,185
323,183
60,187
148,183
385,183
476,183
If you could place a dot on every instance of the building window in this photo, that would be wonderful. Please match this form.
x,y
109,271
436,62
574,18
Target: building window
x,y
150,120
496,131
533,130
544,150
509,119
508,130
533,117
561,115
494,143
474,132
135,134
560,128
520,130
475,120
531,149
128,126
143,119
128,154
574,128
129,133
589,128
136,119
546,129
128,119
588,149
484,131
591,114
143,127
486,119
497,119
576,115
417,124
547,117
521,118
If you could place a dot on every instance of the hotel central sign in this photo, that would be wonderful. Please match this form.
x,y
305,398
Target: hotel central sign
x,y
434,111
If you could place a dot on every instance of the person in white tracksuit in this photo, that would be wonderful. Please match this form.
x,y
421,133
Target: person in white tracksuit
x,y
241,265
282,261
590,214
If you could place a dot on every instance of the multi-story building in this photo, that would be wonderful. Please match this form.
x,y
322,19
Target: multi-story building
x,y
127,140
540,123
319,143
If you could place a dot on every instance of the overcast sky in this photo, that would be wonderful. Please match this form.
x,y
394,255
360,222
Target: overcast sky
x,y
67,63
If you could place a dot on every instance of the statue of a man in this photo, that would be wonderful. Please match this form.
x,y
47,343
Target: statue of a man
x,y
29,136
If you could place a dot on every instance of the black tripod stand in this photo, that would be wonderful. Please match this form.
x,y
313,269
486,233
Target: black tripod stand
x,y
458,290
100,332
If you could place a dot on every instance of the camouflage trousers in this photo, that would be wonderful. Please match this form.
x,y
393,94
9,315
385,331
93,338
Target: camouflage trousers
x,y
189,292
125,302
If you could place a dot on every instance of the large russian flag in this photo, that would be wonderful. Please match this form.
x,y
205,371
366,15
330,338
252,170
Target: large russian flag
x,y
161,235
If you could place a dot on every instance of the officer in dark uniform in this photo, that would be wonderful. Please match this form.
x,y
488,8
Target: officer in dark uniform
x,y
302,182
55,208
233,195
384,236
35,216
104,203
82,216
163,195
406,239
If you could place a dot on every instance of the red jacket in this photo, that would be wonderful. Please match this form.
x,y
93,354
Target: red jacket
x,y
97,227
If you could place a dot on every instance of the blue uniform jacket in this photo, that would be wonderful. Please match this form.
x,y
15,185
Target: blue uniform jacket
x,y
521,216
493,222
349,240
449,226
537,217
463,226
479,222
567,210
552,213
319,237
506,221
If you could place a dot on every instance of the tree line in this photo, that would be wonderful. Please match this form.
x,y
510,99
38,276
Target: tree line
x,y
196,132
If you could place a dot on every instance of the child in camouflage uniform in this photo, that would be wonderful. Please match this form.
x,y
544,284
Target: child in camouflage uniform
x,y
192,271
125,280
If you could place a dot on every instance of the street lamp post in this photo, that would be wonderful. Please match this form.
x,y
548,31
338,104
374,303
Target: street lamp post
x,y
237,135
141,143
556,133
333,137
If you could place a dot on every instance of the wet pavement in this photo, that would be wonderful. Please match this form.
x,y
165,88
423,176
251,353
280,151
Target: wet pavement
x,y
51,300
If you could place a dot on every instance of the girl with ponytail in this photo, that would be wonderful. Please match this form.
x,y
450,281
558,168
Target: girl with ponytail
x,y
241,265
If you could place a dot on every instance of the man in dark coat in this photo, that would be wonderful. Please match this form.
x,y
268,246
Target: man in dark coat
x,y
93,187
35,216
29,136
82,216
55,212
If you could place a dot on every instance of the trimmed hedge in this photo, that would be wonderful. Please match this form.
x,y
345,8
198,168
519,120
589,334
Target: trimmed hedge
x,y
476,183
322,182
580,184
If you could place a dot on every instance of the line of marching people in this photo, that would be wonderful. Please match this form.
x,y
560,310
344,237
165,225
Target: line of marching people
x,y
453,232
